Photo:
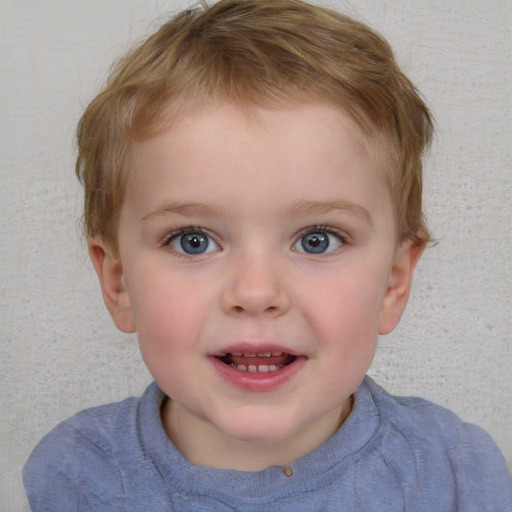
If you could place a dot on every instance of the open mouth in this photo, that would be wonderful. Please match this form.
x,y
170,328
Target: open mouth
x,y
264,362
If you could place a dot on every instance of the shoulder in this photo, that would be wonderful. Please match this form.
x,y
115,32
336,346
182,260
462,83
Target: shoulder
x,y
422,421
442,451
76,465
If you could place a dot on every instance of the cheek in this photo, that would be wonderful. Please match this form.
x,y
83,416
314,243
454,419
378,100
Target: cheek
x,y
345,308
345,325
169,314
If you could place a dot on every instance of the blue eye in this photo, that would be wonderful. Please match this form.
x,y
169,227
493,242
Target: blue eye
x,y
318,242
193,243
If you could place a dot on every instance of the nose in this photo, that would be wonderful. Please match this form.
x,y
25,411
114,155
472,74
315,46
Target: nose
x,y
255,287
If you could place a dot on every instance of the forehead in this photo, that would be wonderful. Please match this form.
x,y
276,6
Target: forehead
x,y
303,150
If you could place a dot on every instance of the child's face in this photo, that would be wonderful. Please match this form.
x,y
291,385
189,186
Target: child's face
x,y
257,262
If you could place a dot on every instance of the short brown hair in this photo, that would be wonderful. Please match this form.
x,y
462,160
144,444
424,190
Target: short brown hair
x,y
254,52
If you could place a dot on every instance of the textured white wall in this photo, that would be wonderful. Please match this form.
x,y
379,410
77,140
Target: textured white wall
x,y
59,351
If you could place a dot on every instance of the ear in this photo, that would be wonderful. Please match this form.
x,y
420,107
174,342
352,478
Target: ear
x,y
110,273
399,285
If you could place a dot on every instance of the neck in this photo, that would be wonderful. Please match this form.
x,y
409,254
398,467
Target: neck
x,y
203,444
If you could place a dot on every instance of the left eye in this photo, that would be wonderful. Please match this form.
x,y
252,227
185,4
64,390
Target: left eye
x,y
318,242
193,243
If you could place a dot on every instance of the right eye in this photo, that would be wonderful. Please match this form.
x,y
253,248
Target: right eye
x,y
192,243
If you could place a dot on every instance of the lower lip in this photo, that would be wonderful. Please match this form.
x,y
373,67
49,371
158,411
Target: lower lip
x,y
258,381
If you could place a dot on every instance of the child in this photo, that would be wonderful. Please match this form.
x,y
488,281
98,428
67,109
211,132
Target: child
x,y
253,210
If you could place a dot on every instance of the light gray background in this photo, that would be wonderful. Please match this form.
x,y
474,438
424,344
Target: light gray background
x,y
59,350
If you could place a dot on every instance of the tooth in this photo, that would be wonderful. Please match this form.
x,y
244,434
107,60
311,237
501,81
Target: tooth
x,y
272,367
263,368
241,367
252,368
277,354
265,354
249,354
236,354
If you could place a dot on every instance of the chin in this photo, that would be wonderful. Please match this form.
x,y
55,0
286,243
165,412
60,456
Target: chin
x,y
257,430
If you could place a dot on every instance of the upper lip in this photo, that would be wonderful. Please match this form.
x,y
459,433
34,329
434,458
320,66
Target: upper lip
x,y
255,350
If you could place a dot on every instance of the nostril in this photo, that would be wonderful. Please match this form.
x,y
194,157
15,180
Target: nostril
x,y
268,310
241,302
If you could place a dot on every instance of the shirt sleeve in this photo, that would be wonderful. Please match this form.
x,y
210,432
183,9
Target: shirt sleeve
x,y
457,465
69,471
482,478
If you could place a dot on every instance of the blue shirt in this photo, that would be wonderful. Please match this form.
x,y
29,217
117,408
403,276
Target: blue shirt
x,y
392,454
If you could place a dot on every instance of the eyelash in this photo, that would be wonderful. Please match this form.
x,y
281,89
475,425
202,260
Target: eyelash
x,y
189,230
323,228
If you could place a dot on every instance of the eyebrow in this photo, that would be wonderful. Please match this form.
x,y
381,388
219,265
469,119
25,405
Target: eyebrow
x,y
329,207
295,208
184,209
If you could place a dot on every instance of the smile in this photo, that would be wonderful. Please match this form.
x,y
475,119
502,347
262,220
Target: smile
x,y
264,362
257,369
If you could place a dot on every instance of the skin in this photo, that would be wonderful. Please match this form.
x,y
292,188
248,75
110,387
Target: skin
x,y
253,183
